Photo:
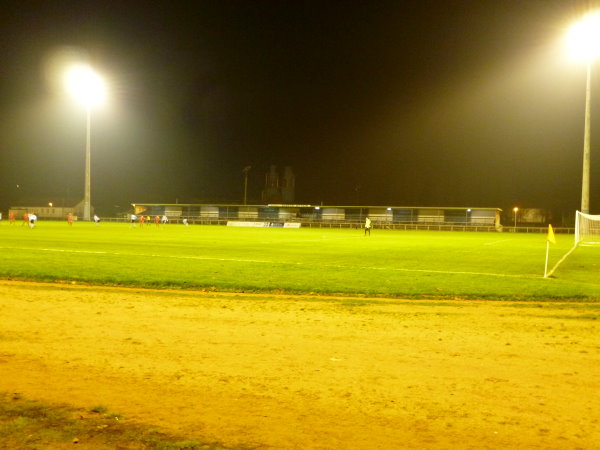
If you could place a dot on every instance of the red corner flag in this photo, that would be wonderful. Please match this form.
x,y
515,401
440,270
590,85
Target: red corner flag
x,y
550,237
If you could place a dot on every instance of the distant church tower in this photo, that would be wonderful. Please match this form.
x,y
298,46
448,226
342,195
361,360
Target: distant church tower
x,y
279,190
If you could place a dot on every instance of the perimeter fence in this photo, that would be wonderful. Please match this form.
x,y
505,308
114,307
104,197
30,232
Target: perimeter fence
x,y
359,225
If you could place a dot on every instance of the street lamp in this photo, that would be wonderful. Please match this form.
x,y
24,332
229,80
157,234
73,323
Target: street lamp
x,y
515,210
583,40
86,86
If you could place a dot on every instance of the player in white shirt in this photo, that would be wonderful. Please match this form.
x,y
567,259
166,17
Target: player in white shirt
x,y
32,220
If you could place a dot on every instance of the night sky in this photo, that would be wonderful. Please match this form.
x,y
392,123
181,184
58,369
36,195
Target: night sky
x,y
402,103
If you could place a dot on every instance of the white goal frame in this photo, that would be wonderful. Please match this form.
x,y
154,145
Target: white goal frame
x,y
587,229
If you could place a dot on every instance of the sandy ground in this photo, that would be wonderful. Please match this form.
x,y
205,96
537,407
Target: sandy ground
x,y
304,373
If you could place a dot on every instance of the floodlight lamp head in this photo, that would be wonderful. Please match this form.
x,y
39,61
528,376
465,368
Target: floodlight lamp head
x,y
583,38
85,85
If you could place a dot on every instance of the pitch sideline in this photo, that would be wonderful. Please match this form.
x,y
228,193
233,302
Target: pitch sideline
x,y
206,258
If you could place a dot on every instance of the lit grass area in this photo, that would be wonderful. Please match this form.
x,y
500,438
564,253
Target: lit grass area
x,y
411,264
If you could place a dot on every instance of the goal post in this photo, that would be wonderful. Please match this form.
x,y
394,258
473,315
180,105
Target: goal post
x,y
587,229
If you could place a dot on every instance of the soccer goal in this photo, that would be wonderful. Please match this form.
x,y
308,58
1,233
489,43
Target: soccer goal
x,y
587,229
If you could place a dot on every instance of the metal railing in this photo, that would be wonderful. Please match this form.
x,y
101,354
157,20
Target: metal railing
x,y
309,222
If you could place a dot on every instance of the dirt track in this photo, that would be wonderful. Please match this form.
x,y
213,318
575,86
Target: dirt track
x,y
301,372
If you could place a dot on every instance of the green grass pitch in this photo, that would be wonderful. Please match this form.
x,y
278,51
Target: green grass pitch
x,y
409,264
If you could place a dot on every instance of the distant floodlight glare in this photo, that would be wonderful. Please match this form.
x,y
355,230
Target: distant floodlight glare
x,y
583,39
85,85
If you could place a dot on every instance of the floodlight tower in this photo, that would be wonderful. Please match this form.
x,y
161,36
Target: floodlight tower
x,y
245,170
583,40
86,86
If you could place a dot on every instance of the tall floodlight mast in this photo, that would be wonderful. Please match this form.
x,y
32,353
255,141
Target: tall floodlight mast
x,y
245,170
87,87
583,40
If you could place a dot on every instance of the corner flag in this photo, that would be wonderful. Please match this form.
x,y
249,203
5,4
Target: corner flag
x,y
550,237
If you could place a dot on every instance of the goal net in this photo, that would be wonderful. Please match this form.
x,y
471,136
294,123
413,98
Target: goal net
x,y
587,229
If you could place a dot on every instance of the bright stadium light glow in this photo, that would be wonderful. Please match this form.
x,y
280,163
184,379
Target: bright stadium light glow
x,y
583,38
85,85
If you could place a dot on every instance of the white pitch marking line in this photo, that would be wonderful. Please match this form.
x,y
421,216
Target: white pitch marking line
x,y
207,258
560,261
497,242
450,272
137,254
63,250
323,239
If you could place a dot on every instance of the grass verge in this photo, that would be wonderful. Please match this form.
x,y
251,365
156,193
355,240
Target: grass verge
x,y
29,424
